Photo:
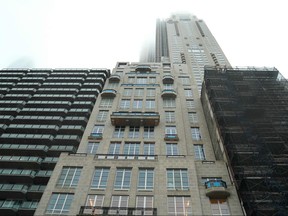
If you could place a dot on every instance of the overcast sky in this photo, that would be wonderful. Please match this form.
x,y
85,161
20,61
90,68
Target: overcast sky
x,y
86,33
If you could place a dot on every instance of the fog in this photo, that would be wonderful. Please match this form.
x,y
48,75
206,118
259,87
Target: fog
x,y
88,33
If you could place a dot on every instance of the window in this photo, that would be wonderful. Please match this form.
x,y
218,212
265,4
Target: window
x,y
168,86
102,115
188,92
148,132
195,131
190,104
179,205
131,79
141,80
106,103
114,148
119,131
169,116
131,148
98,130
125,104
199,152
172,149
219,207
127,92
146,203
92,147
112,85
122,179
169,103
151,92
59,203
94,201
146,179
170,130
152,80
139,92
134,132
69,177
149,148
100,178
150,104
193,117
119,202
137,104
177,179
185,80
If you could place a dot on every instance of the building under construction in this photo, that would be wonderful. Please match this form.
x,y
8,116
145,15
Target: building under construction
x,y
247,115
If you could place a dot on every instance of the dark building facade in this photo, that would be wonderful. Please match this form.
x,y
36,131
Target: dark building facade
x,y
248,108
43,112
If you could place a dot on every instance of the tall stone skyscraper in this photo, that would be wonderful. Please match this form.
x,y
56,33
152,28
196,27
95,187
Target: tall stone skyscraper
x,y
146,149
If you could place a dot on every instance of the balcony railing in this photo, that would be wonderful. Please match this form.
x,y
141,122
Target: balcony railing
x,y
101,211
108,93
171,137
168,79
135,118
125,157
169,93
96,136
216,189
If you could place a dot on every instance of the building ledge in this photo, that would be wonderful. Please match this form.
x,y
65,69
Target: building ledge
x,y
135,118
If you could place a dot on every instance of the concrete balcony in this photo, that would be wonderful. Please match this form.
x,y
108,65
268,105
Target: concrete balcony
x,y
108,93
216,189
115,78
168,79
171,93
101,211
135,118
171,137
143,68
96,136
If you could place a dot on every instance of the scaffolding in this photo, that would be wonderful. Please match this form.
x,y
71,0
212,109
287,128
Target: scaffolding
x,y
250,106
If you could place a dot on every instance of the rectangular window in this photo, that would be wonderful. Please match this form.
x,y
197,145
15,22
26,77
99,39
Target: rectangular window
x,y
119,205
170,130
172,149
151,92
148,132
59,203
168,86
195,131
119,132
185,80
188,92
100,178
219,207
139,92
193,118
125,104
92,147
69,177
134,132
106,103
179,205
114,148
152,80
98,130
127,92
199,152
131,148
137,104
149,148
131,79
169,103
141,80
102,115
144,203
169,116
94,201
112,85
150,104
190,104
177,179
146,179
122,179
